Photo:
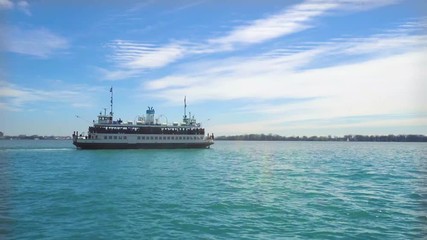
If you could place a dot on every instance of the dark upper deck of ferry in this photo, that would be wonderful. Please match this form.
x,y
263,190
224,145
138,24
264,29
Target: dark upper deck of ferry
x,y
150,129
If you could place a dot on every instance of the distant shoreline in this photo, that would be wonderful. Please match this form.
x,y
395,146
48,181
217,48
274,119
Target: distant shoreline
x,y
273,137
35,137
345,138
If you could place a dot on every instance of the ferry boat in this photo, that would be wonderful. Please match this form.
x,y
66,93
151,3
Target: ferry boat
x,y
145,132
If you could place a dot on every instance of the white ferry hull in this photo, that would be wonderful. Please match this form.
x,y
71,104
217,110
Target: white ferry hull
x,y
127,141
91,145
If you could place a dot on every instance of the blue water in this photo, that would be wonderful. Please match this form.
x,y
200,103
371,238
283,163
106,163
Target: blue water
x,y
235,190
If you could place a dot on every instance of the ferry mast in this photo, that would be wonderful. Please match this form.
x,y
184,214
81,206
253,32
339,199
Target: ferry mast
x,y
185,119
111,102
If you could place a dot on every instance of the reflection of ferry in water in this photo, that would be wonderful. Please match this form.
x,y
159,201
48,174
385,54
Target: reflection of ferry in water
x,y
146,132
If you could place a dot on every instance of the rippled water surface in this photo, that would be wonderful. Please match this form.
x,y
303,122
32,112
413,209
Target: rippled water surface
x,y
261,190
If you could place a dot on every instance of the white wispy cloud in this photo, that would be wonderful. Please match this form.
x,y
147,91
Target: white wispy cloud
x,y
6,4
285,62
378,43
17,98
38,42
360,5
234,71
289,21
22,6
271,80
132,58
116,74
131,55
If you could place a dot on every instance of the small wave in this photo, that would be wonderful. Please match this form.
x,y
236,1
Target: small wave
x,y
36,149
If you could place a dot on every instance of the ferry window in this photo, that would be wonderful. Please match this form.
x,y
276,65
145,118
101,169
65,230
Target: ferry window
x,y
139,138
169,138
120,137
155,138
110,137
124,137
115,137
164,138
151,137
105,137
142,137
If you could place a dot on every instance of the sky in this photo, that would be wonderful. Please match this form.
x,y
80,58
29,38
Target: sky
x,y
293,68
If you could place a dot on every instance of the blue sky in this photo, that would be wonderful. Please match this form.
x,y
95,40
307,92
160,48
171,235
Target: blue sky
x,y
311,67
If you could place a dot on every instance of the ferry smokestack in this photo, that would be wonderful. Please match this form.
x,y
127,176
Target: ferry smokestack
x,y
150,115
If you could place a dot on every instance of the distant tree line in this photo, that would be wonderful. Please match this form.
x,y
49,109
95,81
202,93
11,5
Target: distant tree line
x,y
353,138
34,137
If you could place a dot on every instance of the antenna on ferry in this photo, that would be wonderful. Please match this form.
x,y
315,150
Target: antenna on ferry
x,y
111,111
185,107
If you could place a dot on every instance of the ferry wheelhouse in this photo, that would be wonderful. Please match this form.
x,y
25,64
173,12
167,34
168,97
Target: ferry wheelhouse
x,y
145,132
